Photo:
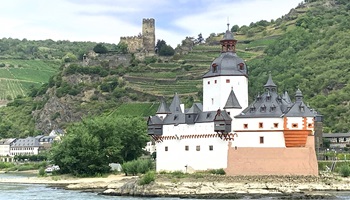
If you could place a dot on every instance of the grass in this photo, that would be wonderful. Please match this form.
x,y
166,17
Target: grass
x,y
136,109
20,75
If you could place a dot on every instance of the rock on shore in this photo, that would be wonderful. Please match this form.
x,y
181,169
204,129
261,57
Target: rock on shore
x,y
214,186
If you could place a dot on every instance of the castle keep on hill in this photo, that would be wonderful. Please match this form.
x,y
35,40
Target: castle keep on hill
x,y
144,42
271,136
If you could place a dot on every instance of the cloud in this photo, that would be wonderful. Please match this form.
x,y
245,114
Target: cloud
x,y
108,20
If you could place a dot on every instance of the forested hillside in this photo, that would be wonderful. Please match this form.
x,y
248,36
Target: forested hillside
x,y
306,49
313,55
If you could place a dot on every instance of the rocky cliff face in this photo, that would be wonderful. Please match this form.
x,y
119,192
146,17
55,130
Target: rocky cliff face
x,y
59,110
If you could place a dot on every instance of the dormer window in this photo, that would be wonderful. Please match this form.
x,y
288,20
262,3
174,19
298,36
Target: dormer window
x,y
241,66
252,109
263,108
214,66
208,115
273,108
302,109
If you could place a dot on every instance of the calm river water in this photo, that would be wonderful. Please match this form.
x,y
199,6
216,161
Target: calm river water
x,y
14,191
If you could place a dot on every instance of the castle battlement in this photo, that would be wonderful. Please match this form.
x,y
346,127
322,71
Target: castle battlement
x,y
148,20
144,41
131,37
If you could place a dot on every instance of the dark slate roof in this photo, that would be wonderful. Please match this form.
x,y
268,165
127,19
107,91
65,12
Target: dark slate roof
x,y
232,101
335,135
174,118
228,35
154,120
299,109
227,64
270,104
7,141
175,104
202,117
163,108
48,139
222,115
286,97
26,142
270,82
196,108
265,105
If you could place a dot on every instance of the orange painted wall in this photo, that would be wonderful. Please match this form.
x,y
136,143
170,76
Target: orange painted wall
x,y
273,161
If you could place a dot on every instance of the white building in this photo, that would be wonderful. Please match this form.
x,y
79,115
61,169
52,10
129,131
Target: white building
x,y
272,135
26,146
5,146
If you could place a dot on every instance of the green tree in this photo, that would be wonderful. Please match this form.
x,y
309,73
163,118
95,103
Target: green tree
x,y
92,144
100,48
235,28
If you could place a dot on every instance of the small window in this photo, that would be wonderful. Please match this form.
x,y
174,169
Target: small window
x,y
275,125
215,81
208,82
186,148
166,148
245,126
211,147
188,116
227,80
261,125
309,125
295,125
228,113
261,140
241,66
198,148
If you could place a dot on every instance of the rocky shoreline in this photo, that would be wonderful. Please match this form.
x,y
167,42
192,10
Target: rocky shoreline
x,y
225,187
325,186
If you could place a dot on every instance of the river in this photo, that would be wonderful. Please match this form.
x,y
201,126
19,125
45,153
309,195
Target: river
x,y
16,191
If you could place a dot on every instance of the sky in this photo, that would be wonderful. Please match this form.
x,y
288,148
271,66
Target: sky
x,y
108,20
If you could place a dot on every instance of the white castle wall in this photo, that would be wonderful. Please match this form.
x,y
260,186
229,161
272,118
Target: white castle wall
x,y
177,158
215,94
299,121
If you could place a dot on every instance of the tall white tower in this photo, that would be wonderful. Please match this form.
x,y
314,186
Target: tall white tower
x,y
228,73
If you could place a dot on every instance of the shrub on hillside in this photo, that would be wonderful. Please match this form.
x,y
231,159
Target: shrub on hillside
x,y
149,177
345,171
218,171
135,167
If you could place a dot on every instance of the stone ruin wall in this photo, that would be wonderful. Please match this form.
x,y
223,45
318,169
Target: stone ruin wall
x,y
142,43
135,43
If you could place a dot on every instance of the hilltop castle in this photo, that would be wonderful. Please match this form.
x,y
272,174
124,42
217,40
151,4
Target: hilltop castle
x,y
271,136
144,42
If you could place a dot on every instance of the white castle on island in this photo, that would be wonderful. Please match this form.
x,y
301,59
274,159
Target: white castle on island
x,y
271,136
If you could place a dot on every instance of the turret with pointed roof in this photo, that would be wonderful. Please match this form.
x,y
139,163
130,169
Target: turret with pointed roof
x,y
175,106
299,109
163,108
228,64
232,101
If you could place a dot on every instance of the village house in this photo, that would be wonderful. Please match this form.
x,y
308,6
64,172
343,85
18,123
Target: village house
x,y
271,136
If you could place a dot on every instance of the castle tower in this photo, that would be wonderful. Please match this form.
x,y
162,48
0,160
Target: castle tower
x,y
227,74
148,33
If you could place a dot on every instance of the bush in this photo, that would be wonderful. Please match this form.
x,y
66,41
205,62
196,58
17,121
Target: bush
x,y
218,171
149,177
345,171
4,165
137,167
42,171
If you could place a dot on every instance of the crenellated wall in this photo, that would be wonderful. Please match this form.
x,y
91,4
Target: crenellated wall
x,y
144,42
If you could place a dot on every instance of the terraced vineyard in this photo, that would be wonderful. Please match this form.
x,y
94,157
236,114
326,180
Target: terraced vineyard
x,y
184,76
18,76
